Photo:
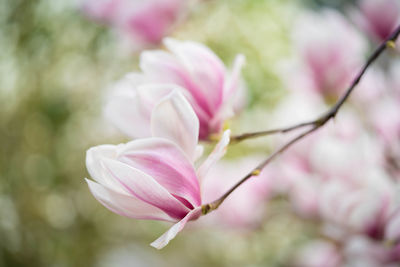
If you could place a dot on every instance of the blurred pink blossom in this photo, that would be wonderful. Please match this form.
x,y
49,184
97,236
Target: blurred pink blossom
x,y
322,182
245,207
392,230
144,22
214,93
319,254
361,251
362,208
154,178
330,53
102,10
384,115
378,17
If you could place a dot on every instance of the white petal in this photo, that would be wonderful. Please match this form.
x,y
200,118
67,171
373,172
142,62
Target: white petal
x,y
218,152
130,106
174,119
198,152
127,113
234,78
163,240
96,169
126,205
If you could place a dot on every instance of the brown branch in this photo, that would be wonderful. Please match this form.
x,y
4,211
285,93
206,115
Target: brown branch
x,y
390,42
316,124
238,138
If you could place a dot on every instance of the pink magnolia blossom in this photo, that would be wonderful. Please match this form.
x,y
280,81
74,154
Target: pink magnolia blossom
x,y
330,52
155,178
196,70
144,22
378,17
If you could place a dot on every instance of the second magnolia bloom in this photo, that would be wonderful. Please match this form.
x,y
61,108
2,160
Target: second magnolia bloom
x,y
214,93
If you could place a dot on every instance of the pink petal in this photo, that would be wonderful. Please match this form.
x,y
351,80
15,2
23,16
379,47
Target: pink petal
x,y
174,119
206,69
165,67
145,188
163,240
126,205
218,152
167,164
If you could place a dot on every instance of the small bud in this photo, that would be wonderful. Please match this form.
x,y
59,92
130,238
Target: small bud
x,y
256,172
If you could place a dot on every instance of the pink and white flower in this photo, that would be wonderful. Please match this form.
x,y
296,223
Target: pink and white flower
x,y
201,76
144,22
155,178
378,17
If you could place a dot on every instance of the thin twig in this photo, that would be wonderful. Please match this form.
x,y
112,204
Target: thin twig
x,y
238,138
390,42
316,124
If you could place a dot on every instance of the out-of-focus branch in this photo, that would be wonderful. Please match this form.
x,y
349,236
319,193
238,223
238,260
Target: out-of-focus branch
x,y
390,42
316,124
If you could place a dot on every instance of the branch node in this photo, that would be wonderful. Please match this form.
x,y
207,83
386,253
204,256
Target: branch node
x,y
205,209
391,44
256,172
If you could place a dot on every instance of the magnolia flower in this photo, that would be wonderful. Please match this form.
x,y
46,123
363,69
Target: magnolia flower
x,y
330,52
155,178
378,17
144,22
202,77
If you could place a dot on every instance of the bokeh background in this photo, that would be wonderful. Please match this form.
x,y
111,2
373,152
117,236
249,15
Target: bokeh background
x,y
55,65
